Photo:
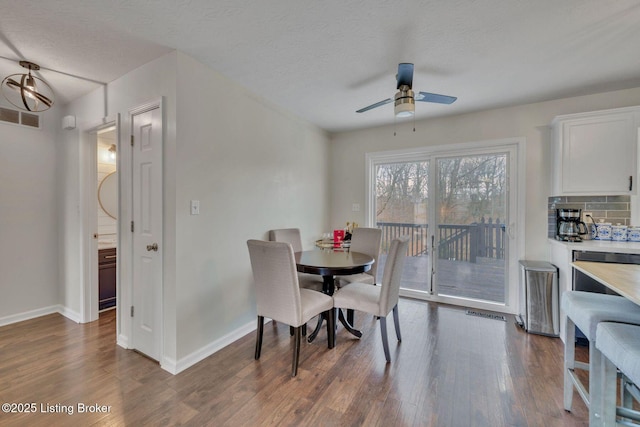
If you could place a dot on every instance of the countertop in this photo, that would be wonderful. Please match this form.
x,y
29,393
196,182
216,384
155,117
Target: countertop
x,y
601,246
106,245
622,278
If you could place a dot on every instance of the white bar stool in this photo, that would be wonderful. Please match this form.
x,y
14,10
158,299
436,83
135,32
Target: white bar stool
x,y
619,345
585,310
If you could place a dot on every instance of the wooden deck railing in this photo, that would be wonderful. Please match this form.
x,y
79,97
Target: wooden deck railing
x,y
418,243
456,242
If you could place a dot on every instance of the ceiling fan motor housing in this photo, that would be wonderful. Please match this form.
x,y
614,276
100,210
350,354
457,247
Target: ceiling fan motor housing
x,y
404,102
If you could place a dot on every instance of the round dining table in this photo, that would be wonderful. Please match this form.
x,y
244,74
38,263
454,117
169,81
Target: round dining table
x,y
328,264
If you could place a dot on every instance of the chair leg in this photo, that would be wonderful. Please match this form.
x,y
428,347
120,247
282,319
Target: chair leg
x,y
595,384
331,327
396,321
297,332
350,316
385,341
304,330
259,336
290,330
569,359
609,385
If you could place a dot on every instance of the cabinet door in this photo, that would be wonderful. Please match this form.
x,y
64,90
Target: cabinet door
x,y
107,286
107,268
599,154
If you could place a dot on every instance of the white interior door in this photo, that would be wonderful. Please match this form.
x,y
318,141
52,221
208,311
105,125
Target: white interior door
x,y
146,309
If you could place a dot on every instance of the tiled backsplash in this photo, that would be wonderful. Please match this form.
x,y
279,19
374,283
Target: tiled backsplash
x,y
613,209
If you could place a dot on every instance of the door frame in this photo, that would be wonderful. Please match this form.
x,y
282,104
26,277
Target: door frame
x,y
516,228
89,290
125,236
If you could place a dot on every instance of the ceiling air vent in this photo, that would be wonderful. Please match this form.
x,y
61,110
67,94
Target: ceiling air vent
x,y
20,118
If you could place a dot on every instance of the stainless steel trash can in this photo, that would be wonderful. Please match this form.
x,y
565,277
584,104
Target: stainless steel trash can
x,y
541,308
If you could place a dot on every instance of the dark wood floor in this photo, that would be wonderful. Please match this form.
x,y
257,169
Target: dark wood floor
x,y
451,369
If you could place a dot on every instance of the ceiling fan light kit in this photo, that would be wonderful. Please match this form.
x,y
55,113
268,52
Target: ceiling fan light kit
x,y
27,92
405,98
405,104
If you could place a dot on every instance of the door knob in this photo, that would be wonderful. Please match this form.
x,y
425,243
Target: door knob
x,y
153,247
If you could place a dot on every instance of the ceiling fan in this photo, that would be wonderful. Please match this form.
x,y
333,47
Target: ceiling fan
x,y
405,98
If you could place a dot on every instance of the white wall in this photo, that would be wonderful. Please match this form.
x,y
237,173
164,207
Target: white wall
x,y
147,83
28,218
529,121
253,167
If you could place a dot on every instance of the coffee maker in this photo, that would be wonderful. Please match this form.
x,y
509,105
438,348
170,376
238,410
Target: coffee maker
x,y
569,228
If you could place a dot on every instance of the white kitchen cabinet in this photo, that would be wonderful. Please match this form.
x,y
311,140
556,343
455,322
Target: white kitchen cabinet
x,y
596,153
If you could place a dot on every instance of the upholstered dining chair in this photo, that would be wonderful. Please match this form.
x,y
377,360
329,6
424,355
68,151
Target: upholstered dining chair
x,y
366,241
279,296
292,236
378,300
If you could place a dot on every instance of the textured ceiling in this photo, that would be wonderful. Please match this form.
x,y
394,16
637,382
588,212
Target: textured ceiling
x,y
323,60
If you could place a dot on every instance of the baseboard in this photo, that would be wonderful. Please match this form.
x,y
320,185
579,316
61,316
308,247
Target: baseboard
x,y
69,314
175,367
123,341
31,314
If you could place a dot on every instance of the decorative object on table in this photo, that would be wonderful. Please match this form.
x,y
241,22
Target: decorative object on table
x,y
590,235
367,241
619,233
338,237
348,231
633,234
602,230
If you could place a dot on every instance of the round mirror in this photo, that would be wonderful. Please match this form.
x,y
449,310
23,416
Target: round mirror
x,y
108,194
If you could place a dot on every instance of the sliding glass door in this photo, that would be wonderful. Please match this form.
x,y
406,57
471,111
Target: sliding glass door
x,y
402,208
471,237
455,205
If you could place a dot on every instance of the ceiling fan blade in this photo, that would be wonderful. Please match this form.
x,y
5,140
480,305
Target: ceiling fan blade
x,y
376,105
434,97
405,74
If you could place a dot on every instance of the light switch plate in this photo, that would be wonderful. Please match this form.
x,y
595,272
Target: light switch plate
x,y
195,207
355,207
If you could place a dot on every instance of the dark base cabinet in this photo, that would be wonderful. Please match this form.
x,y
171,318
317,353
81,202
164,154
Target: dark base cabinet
x,y
107,278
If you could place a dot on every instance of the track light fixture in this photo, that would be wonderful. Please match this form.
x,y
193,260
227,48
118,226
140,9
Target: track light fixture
x,y
27,92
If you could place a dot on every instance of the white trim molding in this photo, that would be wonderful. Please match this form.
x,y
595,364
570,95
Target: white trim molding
x,y
39,312
175,367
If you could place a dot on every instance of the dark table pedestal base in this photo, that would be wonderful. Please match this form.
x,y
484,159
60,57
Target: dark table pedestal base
x,y
328,287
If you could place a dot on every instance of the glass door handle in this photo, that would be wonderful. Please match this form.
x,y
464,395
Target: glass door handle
x,y
433,263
